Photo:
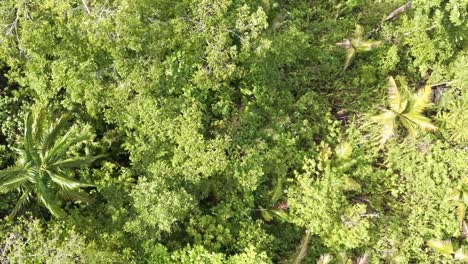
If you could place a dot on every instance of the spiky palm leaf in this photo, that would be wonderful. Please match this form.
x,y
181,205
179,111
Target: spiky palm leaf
x,y
408,110
44,168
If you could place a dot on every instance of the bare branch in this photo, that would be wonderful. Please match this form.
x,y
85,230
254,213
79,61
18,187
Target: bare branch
x,y
398,11
86,7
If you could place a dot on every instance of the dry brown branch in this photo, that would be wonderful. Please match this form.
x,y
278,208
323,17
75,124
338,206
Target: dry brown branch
x,y
398,11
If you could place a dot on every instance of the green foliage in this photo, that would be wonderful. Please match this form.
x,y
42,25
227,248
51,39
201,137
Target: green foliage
x,y
230,129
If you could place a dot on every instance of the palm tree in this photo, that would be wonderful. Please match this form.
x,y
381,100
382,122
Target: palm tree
x,y
356,44
407,109
45,168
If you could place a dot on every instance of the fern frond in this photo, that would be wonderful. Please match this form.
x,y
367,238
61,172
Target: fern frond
x,y
443,247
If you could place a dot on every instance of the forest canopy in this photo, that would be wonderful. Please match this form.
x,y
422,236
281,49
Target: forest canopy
x,y
233,131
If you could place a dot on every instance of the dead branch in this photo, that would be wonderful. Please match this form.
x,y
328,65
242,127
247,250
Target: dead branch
x,y
398,11
86,7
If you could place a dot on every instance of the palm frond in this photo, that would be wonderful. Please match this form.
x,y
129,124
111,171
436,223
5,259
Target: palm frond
x,y
454,195
62,145
358,31
43,193
38,122
301,250
351,185
367,45
65,182
410,126
14,182
280,214
394,96
11,173
350,54
277,191
53,132
74,196
28,138
22,201
461,211
76,162
420,121
421,100
443,247
464,230
387,120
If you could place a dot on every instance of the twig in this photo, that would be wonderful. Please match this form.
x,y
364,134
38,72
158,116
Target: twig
x,y
398,11
86,7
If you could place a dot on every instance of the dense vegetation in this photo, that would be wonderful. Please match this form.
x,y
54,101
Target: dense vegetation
x,y
233,131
